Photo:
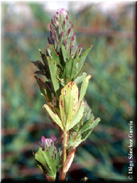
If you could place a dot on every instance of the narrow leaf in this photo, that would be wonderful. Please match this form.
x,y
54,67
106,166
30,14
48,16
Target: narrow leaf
x,y
77,117
86,124
84,87
53,73
55,56
46,68
64,53
46,93
53,116
39,65
74,68
79,79
91,127
68,69
95,123
83,58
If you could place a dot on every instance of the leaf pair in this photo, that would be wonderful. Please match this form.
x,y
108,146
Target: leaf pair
x,y
71,105
82,129
46,163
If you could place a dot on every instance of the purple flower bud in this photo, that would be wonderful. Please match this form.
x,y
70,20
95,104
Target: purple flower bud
x,y
80,46
49,40
64,22
42,141
71,24
57,14
73,37
55,38
50,33
69,31
71,46
53,33
53,137
62,35
50,27
48,142
54,21
71,51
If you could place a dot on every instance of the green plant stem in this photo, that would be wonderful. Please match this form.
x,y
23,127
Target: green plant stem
x,y
64,143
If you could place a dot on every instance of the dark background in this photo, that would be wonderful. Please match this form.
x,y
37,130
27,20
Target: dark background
x,y
111,91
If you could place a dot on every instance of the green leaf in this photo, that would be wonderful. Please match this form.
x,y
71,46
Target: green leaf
x,y
64,53
84,87
74,68
86,134
45,61
53,116
70,69
77,117
41,73
68,103
47,162
45,92
82,59
79,79
87,112
86,124
95,123
39,65
55,56
43,56
42,163
90,128
53,73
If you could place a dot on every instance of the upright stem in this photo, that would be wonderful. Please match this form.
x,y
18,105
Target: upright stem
x,y
64,144
49,179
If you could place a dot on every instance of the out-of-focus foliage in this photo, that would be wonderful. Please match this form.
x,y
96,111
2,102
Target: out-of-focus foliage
x,y
111,91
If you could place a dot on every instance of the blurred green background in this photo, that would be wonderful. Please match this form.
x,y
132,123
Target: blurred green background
x,y
111,91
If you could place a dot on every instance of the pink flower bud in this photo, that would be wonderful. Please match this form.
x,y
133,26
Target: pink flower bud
x,y
63,12
64,22
69,31
73,37
42,140
80,46
50,27
71,46
53,34
48,142
53,137
62,35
